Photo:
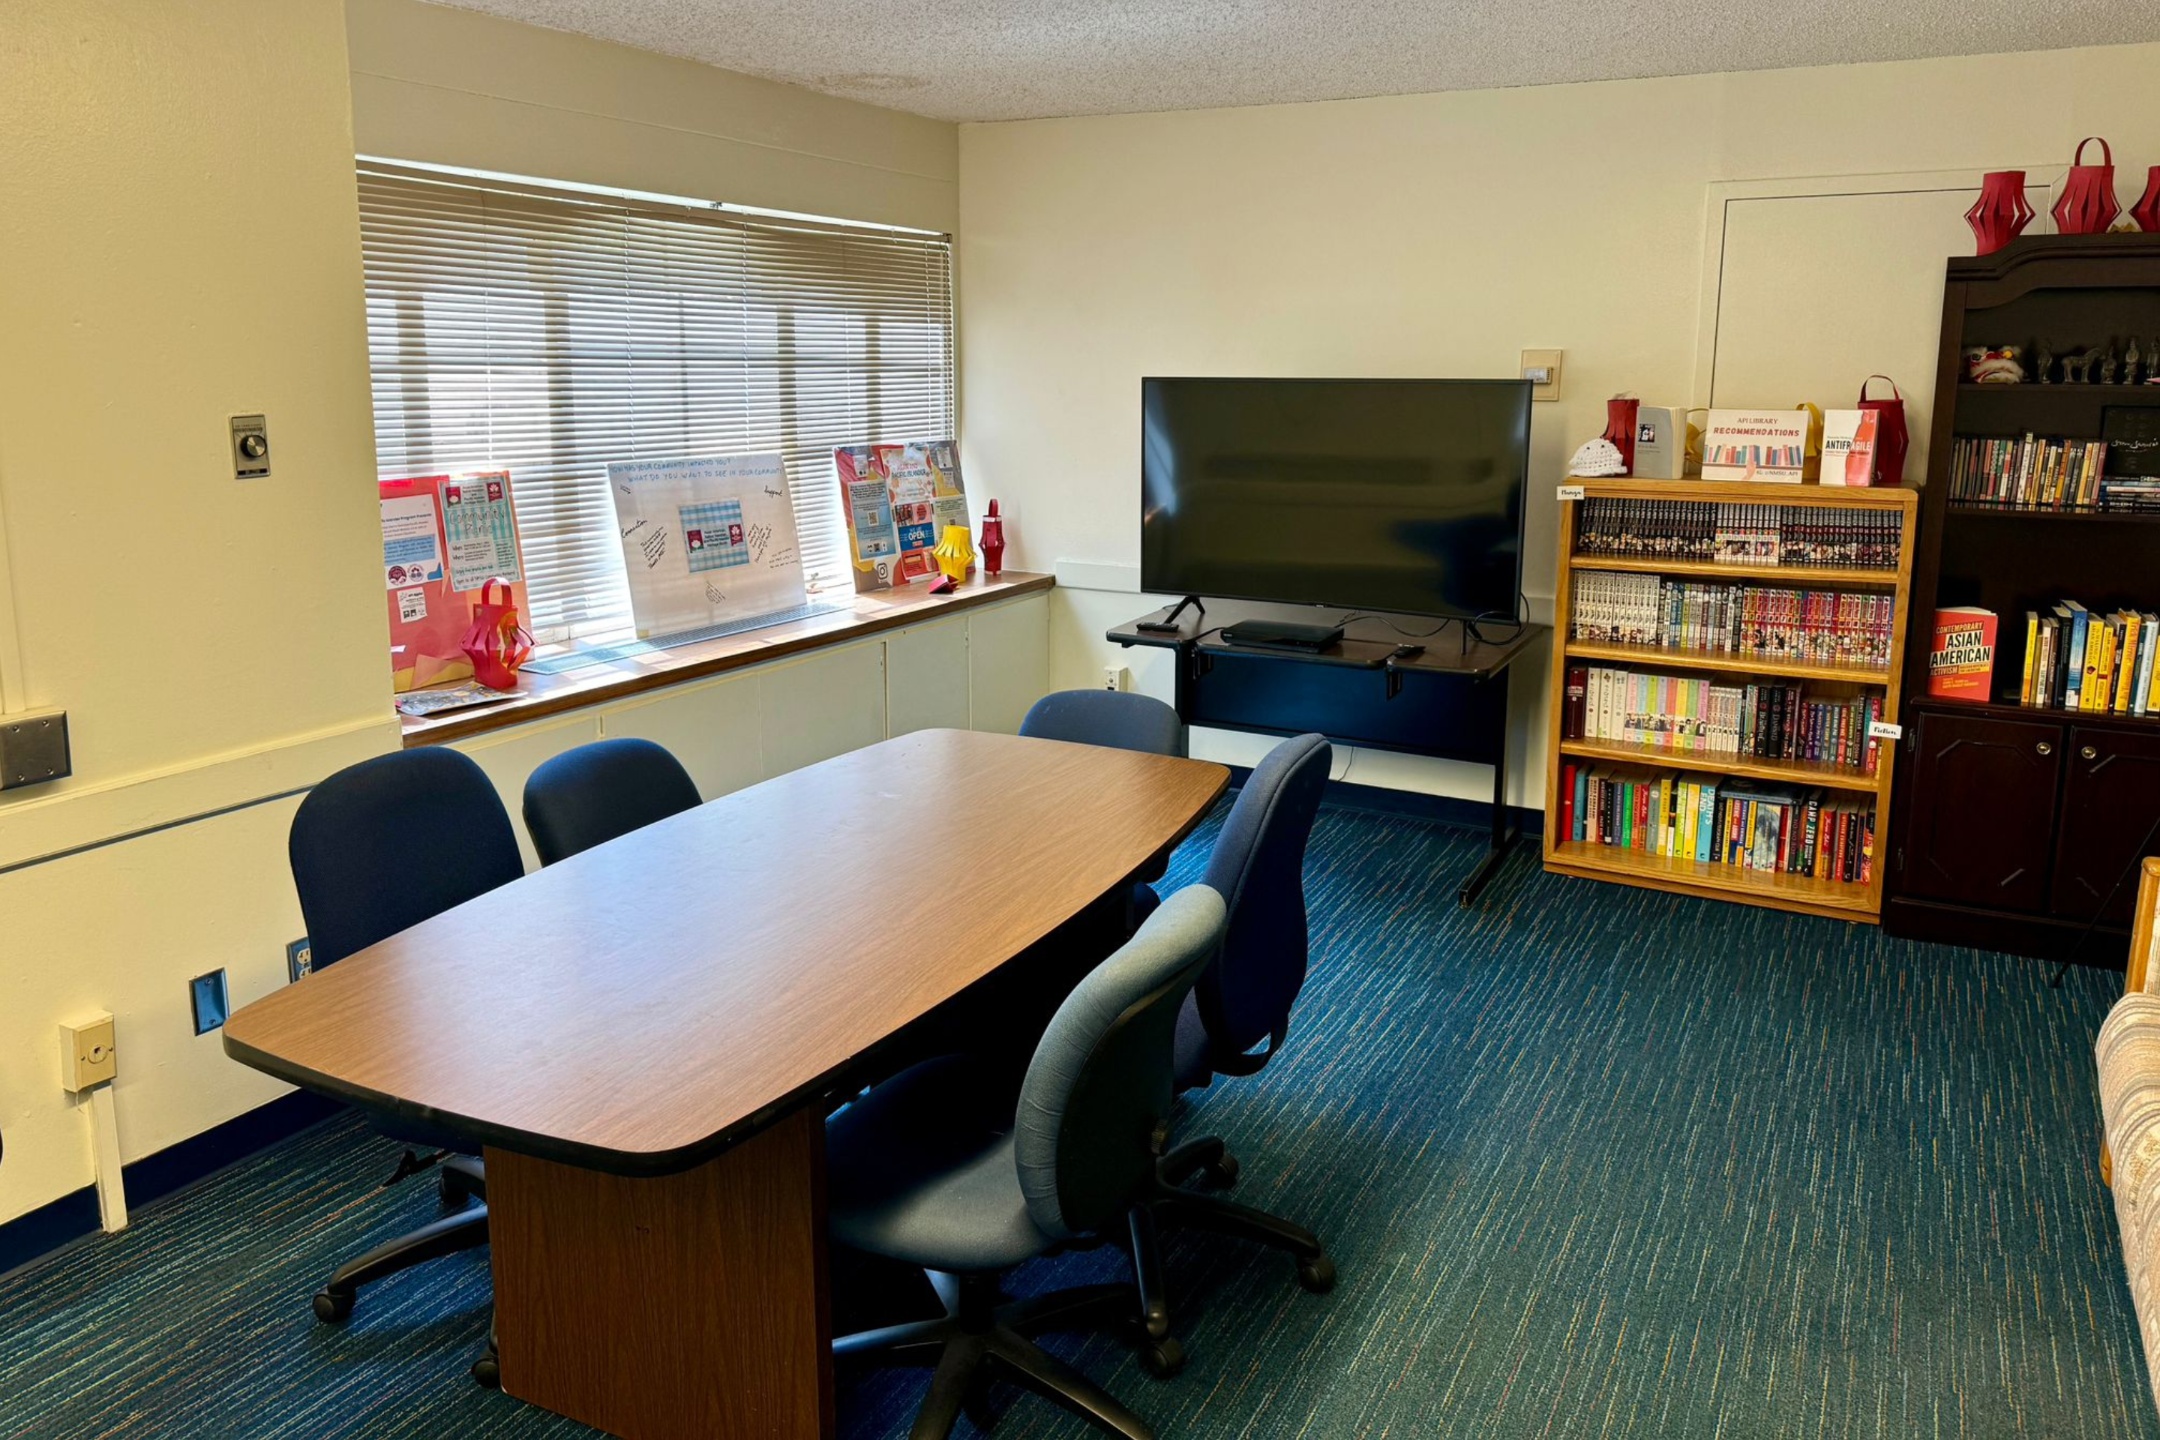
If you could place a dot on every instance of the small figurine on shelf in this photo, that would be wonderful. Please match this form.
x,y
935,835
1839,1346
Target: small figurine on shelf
x,y
993,542
2133,359
1994,365
2077,369
497,644
2109,364
2044,367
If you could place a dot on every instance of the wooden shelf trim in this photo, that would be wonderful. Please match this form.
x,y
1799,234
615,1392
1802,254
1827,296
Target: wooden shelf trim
x,y
1728,661
1696,876
1784,772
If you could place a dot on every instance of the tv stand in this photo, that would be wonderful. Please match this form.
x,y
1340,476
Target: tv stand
x,y
1168,624
1449,701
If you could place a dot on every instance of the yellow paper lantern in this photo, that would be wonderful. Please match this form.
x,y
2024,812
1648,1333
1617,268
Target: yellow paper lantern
x,y
955,553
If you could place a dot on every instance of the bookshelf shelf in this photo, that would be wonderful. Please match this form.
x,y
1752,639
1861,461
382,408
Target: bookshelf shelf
x,y
1796,772
1814,577
1843,899
1963,509
1848,900
2140,394
1725,661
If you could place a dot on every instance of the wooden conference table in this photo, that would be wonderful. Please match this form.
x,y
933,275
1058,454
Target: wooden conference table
x,y
646,1038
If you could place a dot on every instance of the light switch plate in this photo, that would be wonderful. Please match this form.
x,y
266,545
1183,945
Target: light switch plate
x,y
34,748
250,447
1547,361
208,999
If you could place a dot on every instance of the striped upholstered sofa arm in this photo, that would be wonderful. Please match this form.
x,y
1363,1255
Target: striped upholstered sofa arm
x,y
2128,1052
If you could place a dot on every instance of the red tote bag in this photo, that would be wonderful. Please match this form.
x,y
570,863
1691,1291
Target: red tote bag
x,y
1890,437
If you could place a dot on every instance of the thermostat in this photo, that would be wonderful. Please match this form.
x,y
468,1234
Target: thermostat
x,y
250,447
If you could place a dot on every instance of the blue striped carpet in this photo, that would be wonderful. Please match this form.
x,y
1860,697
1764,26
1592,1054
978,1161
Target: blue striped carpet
x,y
1594,1162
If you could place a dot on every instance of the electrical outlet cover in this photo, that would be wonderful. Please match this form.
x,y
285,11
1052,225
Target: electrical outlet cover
x,y
206,993
299,959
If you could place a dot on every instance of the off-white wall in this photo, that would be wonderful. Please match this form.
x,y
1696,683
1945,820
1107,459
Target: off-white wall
x,y
1422,235
180,243
450,87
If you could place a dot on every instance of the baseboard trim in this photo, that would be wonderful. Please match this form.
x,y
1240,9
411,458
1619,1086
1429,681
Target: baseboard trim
x,y
1416,805
73,1218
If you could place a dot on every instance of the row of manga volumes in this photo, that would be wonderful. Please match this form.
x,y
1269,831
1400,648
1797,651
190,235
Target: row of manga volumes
x,y
1759,720
2139,494
2100,664
1719,820
1796,535
1763,622
2028,474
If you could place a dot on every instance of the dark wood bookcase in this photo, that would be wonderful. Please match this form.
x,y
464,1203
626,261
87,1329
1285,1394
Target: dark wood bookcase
x,y
2015,827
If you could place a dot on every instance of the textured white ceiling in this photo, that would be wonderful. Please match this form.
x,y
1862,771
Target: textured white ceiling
x,y
1019,59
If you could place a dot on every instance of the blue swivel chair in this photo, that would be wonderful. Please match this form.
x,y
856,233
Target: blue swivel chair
x,y
934,1169
376,849
590,795
1119,720
1243,999
1116,718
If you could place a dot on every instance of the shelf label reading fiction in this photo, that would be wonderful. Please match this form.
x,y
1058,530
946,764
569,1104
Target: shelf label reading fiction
x,y
1885,730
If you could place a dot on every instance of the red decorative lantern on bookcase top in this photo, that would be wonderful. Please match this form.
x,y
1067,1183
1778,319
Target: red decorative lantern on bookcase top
x,y
1620,413
2002,212
2088,205
2147,210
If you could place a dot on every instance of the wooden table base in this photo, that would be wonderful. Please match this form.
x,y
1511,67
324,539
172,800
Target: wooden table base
x,y
692,1306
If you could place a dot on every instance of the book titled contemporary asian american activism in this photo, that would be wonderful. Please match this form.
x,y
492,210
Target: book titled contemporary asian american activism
x,y
1961,657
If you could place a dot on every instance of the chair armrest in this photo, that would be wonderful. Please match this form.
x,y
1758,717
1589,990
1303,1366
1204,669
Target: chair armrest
x,y
2143,975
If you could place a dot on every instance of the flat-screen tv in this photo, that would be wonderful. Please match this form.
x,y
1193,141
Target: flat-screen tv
x,y
1391,495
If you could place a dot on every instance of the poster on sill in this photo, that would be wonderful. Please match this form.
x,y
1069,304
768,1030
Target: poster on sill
x,y
1766,445
431,586
898,499
706,542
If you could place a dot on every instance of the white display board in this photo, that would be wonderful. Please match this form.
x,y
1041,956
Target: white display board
x,y
706,541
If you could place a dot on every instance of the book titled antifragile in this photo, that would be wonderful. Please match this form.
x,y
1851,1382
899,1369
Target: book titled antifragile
x,y
1961,659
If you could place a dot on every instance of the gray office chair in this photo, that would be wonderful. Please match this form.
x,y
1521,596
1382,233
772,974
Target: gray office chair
x,y
1243,1000
932,1169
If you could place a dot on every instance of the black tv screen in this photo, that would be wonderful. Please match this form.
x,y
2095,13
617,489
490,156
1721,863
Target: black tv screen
x,y
1394,495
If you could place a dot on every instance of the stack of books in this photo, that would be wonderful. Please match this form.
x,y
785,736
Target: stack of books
x,y
2136,493
1814,626
1719,820
2100,664
1768,535
2028,474
1692,714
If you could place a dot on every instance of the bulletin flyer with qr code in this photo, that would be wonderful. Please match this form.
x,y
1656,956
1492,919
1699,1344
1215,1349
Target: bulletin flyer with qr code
x,y
898,499
706,541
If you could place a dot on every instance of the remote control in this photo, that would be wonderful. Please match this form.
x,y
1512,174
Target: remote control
x,y
1406,652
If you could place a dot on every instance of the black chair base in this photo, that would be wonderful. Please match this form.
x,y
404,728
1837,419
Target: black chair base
x,y
983,1336
1173,1203
462,1179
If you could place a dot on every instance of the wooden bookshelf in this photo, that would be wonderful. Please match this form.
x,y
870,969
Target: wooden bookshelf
x,y
1846,900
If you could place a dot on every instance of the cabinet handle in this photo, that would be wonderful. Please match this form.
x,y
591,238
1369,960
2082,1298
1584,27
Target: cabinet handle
x,y
2044,748
2087,752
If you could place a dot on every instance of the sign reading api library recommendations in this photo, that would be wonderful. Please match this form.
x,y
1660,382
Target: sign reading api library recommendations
x,y
706,541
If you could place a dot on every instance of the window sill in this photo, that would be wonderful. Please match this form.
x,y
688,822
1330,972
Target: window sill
x,y
543,695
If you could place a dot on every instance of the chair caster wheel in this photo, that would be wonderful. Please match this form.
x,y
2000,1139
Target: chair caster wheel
x,y
1162,1358
487,1372
1222,1174
332,1306
1316,1274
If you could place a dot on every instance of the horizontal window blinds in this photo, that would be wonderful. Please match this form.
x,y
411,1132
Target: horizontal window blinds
x,y
549,333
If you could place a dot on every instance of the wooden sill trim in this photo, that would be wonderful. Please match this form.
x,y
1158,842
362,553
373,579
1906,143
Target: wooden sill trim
x,y
543,695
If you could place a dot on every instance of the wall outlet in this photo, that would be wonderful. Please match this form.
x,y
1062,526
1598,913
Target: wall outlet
x,y
208,1000
87,1053
1116,677
299,959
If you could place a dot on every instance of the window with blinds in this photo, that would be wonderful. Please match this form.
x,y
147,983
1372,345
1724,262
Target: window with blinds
x,y
549,332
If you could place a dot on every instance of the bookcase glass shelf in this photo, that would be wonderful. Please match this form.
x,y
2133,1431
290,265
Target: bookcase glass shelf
x,y
1856,900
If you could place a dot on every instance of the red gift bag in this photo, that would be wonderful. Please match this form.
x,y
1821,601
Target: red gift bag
x,y
496,644
1890,436
2088,205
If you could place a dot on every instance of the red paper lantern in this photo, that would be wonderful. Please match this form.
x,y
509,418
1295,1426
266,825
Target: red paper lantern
x,y
2088,205
993,538
2147,210
2002,212
496,644
1620,412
